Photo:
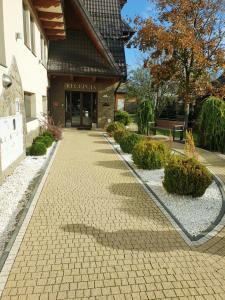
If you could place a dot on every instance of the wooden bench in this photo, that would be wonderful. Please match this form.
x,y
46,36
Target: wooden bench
x,y
170,125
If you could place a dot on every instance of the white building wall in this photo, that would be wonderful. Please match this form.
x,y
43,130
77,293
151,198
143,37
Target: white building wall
x,y
33,73
33,76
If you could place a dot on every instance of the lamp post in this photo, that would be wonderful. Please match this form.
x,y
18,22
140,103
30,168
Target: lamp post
x,y
6,81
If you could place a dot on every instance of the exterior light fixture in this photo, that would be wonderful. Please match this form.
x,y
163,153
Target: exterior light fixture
x,y
106,98
19,36
6,81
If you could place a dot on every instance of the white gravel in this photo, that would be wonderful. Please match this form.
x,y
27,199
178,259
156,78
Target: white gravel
x,y
195,214
13,193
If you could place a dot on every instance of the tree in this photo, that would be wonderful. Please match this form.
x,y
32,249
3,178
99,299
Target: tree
x,y
139,84
185,44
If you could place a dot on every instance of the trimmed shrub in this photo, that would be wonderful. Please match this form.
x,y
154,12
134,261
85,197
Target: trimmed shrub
x,y
123,117
128,141
186,176
118,135
150,155
47,140
37,149
48,133
113,127
212,125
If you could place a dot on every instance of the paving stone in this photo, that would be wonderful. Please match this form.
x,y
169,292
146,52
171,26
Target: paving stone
x,y
96,234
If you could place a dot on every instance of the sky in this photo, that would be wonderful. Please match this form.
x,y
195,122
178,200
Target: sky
x,y
130,10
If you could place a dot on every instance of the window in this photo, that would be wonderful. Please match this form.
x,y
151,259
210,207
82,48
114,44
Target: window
x,y
44,105
44,51
2,39
32,34
26,27
30,106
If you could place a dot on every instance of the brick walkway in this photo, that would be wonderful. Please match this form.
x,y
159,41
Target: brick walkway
x,y
95,234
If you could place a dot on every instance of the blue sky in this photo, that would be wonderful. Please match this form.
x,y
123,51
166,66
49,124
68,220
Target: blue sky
x,y
130,10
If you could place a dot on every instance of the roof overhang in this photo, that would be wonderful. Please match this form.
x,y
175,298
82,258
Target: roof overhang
x,y
95,34
51,17
122,2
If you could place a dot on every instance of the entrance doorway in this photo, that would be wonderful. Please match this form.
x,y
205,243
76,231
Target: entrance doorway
x,y
80,109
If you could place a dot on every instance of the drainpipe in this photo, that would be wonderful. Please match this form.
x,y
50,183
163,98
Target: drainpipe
x,y
118,86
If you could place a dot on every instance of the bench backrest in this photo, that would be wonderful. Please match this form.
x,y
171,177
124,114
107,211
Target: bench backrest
x,y
168,123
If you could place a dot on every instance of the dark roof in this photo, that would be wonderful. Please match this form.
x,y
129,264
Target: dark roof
x,y
105,17
77,55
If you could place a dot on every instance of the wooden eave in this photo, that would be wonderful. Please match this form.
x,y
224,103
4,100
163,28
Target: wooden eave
x,y
123,2
51,17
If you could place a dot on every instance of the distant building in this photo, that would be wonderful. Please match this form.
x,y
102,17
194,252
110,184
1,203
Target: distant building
x,y
25,31
86,69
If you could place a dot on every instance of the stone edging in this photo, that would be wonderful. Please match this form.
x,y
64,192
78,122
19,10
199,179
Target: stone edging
x,y
211,231
10,253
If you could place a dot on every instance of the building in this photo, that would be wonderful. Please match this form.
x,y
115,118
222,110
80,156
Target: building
x,y
25,31
86,69
62,56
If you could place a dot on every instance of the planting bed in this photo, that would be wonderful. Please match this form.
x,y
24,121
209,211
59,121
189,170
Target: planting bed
x,y
16,191
196,216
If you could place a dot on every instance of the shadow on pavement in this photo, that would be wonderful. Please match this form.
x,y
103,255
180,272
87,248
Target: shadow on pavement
x,y
111,164
139,240
105,151
150,241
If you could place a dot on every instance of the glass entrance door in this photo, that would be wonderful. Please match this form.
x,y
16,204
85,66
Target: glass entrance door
x,y
87,109
75,109
81,109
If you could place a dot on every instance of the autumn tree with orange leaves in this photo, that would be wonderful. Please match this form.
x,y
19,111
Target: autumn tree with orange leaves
x,y
185,44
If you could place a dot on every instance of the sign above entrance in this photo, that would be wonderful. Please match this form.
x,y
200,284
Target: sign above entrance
x,y
77,86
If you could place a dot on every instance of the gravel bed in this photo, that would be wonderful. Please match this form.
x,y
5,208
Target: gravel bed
x,y
14,193
195,214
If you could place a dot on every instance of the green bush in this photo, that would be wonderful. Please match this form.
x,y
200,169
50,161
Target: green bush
x,y
47,140
114,126
150,155
128,141
145,114
212,125
48,133
37,149
123,117
186,176
118,135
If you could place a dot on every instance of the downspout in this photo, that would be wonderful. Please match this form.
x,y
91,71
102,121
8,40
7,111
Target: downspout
x,y
118,86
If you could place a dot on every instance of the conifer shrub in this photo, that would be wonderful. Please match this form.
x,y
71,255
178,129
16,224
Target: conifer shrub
x,y
47,140
128,141
118,135
123,117
212,124
145,114
48,133
150,155
37,149
113,127
186,176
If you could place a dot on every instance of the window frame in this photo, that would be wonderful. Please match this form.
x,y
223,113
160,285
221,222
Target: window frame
x,y
26,26
32,35
32,114
2,37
